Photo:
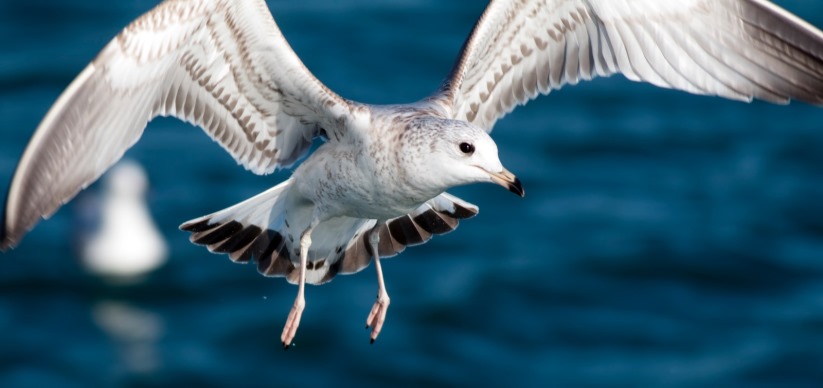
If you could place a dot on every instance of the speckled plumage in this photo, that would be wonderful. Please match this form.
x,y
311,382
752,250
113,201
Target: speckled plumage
x,y
377,185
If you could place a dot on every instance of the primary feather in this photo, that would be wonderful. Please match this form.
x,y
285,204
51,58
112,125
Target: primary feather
x,y
737,49
222,65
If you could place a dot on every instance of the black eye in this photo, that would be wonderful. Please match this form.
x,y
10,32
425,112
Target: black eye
x,y
467,148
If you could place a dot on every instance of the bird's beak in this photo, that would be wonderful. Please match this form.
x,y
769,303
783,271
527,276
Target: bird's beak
x,y
508,180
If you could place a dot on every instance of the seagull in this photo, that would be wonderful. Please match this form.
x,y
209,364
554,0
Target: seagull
x,y
378,183
127,244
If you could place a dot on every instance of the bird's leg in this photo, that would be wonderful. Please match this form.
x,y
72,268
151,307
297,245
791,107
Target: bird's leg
x,y
378,311
300,301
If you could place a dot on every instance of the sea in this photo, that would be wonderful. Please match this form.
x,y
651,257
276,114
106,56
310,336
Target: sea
x,y
664,240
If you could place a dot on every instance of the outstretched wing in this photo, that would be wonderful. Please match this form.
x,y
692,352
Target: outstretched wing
x,y
222,65
738,49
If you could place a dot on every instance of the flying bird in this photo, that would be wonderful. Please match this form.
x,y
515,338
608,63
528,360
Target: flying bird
x,y
377,184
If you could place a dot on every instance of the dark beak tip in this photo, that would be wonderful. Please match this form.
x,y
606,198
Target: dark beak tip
x,y
517,188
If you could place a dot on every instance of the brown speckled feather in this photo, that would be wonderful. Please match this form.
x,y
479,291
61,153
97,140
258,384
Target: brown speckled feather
x,y
738,49
222,65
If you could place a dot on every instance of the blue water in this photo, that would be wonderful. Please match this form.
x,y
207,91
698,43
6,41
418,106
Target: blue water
x,y
665,239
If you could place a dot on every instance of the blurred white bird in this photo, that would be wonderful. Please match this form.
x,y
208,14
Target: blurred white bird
x,y
127,243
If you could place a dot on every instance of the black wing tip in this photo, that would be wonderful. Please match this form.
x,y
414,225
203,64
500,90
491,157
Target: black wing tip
x,y
216,233
196,226
6,242
434,222
404,231
267,248
463,213
240,239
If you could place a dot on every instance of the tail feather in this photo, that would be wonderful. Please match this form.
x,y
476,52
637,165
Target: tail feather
x,y
256,230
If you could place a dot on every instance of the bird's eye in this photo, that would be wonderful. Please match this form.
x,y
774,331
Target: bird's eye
x,y
467,148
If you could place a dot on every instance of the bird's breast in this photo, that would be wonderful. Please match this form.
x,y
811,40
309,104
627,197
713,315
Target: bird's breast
x,y
351,182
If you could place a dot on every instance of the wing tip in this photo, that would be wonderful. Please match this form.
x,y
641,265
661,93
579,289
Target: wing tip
x,y
6,241
465,211
196,225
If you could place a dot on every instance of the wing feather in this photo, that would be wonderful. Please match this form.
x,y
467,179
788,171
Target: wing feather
x,y
738,49
253,232
222,65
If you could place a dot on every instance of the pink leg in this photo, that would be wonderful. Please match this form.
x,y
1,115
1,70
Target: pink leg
x,y
296,312
378,312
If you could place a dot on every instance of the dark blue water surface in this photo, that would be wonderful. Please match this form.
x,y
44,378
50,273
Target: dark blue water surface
x,y
666,239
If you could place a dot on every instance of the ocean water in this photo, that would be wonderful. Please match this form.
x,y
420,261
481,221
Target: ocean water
x,y
665,239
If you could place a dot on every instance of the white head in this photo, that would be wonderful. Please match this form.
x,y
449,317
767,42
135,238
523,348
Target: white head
x,y
462,153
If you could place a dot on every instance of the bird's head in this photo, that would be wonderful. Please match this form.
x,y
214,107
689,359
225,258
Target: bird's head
x,y
462,153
